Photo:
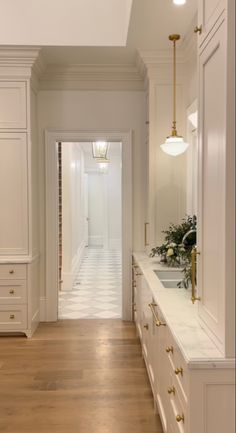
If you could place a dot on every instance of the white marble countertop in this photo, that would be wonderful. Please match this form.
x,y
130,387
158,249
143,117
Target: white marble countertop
x,y
181,317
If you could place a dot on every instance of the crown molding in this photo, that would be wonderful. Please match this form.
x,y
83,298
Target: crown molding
x,y
149,61
22,56
20,62
91,77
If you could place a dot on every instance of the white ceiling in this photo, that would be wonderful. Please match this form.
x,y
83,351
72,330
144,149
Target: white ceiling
x,y
150,24
64,22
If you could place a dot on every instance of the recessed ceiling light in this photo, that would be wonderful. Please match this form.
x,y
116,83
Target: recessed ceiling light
x,y
179,2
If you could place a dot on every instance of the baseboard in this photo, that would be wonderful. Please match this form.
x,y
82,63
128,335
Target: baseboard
x,y
68,277
42,316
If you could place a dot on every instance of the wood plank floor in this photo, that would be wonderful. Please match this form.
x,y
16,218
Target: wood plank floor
x,y
76,376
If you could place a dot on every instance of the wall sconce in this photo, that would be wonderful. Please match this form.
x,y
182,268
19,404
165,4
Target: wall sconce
x,y
100,149
174,144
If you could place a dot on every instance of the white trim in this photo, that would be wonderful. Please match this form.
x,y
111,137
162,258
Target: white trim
x,y
68,277
42,309
51,138
91,77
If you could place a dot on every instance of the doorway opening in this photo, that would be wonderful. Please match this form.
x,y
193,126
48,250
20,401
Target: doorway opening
x,y
52,138
89,232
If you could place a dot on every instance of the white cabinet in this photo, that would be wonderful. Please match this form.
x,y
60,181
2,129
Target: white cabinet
x,y
215,212
209,12
13,194
192,395
13,113
19,296
19,245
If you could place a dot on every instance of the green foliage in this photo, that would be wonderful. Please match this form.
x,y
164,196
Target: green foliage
x,y
174,252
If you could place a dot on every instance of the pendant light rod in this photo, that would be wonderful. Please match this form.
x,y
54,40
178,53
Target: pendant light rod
x,y
174,38
174,144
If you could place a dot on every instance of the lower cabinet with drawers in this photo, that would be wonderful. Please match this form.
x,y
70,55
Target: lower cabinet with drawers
x,y
191,395
19,297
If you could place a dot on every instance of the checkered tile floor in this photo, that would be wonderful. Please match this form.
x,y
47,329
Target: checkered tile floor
x,y
97,288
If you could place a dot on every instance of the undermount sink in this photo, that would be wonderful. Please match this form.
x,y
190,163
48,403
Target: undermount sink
x,y
169,274
170,278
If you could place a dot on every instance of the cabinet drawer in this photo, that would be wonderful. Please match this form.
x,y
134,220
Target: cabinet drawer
x,y
13,317
14,272
178,412
13,292
178,365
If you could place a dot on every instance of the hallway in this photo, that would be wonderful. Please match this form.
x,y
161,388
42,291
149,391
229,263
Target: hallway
x,y
96,292
76,376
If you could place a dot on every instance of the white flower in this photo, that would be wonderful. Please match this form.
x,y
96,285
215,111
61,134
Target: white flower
x,y
172,245
182,249
170,252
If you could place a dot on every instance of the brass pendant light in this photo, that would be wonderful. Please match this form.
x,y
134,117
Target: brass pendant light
x,y
174,144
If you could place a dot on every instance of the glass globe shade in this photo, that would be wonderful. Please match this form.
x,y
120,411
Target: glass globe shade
x,y
174,146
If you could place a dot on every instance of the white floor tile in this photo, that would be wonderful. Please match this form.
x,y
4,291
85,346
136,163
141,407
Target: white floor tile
x,y
97,288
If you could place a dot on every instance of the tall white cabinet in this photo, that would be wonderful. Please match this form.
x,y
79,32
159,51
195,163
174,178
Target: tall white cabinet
x,y
19,249
216,177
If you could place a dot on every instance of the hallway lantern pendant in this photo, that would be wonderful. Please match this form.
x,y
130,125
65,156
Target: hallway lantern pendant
x,y
100,149
174,144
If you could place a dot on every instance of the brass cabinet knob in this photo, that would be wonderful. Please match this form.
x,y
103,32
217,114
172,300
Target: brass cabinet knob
x,y
180,417
170,349
171,390
179,371
198,29
12,316
146,326
11,271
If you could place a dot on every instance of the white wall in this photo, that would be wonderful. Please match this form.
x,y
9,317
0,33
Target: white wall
x,y
73,241
114,202
170,201
96,209
89,111
105,198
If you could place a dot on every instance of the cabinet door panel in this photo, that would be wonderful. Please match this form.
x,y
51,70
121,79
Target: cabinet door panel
x,y
212,149
13,194
12,104
209,12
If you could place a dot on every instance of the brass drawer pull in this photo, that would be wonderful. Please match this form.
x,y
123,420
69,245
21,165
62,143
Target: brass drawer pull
x,y
146,244
11,271
169,349
12,316
11,292
146,326
179,371
180,418
171,390
159,323
194,254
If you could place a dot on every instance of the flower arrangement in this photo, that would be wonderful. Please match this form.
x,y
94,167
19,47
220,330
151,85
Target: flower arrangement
x,y
173,251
